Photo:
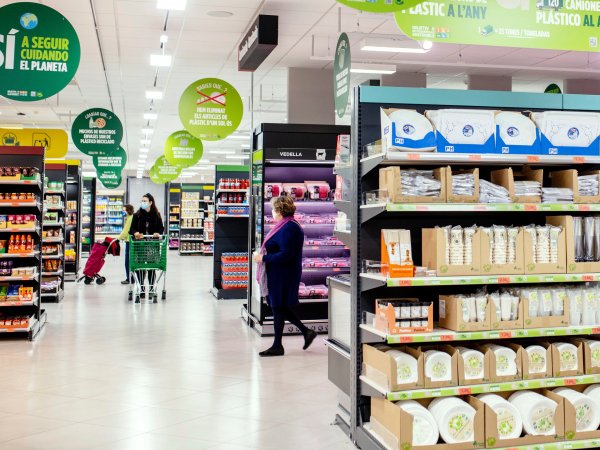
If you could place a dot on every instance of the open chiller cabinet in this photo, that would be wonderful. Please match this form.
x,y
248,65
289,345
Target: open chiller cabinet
x,y
88,215
295,154
174,217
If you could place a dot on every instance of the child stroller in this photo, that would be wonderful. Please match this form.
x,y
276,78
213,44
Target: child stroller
x,y
95,262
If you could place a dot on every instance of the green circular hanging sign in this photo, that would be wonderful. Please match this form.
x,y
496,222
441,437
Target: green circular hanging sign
x,y
97,132
115,162
39,52
341,74
154,177
211,109
182,149
379,6
165,171
110,179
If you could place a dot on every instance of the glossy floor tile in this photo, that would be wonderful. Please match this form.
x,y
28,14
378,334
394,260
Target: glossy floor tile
x,y
178,375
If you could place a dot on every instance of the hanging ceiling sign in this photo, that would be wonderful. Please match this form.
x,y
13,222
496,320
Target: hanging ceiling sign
x,y
113,164
97,132
543,24
165,171
56,142
182,149
39,52
379,6
154,177
341,74
258,43
211,109
552,89
110,179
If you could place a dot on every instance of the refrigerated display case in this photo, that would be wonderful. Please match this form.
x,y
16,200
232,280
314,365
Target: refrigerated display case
x,y
109,213
88,215
73,237
174,215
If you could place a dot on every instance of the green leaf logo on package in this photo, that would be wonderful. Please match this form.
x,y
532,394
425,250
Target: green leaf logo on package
x,y
97,132
211,109
182,149
379,6
39,52
165,171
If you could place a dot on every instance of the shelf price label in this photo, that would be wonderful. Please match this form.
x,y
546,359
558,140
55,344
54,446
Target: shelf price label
x,y
503,280
406,339
530,208
475,157
464,391
588,278
505,335
533,159
578,160
413,157
570,381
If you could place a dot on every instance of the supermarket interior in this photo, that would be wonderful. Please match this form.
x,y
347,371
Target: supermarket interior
x,y
272,224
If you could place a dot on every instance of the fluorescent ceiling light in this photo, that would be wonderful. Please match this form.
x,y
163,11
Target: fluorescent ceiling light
x,y
154,94
175,5
160,60
144,150
245,146
239,136
382,69
221,152
164,38
147,131
395,46
150,116
139,177
142,158
145,142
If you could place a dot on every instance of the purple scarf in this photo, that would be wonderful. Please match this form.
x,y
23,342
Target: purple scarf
x,y
261,274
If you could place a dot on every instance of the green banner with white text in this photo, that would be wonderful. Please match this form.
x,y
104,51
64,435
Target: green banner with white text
x,y
542,24
378,6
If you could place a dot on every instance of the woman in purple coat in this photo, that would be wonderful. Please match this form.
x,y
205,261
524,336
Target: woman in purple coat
x,y
280,270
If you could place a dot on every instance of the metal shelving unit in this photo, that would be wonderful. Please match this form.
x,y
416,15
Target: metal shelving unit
x,y
88,215
364,241
174,216
109,219
74,228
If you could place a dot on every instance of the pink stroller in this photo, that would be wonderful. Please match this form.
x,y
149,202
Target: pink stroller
x,y
95,262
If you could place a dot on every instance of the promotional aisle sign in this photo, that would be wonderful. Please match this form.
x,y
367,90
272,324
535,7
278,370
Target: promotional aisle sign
x,y
166,171
111,165
39,52
379,6
341,74
97,132
211,109
110,180
56,142
182,149
154,177
542,24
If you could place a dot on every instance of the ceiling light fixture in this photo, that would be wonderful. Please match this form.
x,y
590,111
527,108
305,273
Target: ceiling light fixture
x,y
154,95
164,38
161,60
238,136
237,157
150,116
147,131
175,5
395,46
144,150
382,69
12,126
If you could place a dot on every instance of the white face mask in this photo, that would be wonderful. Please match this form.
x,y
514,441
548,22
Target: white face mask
x,y
274,214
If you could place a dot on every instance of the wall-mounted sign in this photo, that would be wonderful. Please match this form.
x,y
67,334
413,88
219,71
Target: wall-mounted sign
x,y
379,6
56,142
97,132
543,24
341,74
258,43
182,149
39,52
300,154
165,171
553,89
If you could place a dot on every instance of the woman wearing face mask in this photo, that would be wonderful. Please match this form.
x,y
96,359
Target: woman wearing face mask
x,y
124,236
279,272
147,221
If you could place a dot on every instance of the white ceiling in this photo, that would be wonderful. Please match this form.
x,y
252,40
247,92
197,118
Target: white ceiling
x,y
205,46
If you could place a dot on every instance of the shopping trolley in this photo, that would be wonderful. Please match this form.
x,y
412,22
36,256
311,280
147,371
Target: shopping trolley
x,y
148,257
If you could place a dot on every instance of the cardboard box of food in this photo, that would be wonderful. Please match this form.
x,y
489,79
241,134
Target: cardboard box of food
x,y
570,179
395,426
532,267
507,178
488,268
453,381
451,315
382,369
495,364
396,253
535,321
390,179
492,423
434,254
386,320
452,198
498,324
531,366
572,266
563,365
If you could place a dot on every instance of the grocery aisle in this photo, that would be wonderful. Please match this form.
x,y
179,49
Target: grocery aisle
x,y
106,374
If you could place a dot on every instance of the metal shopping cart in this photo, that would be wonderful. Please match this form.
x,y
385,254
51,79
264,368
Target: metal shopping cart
x,y
148,258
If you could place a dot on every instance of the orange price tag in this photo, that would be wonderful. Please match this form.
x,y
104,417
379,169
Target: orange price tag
x,y
578,159
530,207
595,330
570,381
422,208
406,339
533,159
475,157
505,335
588,278
446,337
584,207
503,280
414,156
405,283
464,391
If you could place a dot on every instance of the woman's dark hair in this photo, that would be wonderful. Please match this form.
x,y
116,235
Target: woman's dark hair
x,y
129,209
284,205
153,208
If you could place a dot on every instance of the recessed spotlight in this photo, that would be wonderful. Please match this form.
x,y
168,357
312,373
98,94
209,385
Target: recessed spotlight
x,y
164,38
145,142
219,13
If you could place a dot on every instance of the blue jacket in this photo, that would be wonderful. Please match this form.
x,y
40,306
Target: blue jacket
x,y
284,265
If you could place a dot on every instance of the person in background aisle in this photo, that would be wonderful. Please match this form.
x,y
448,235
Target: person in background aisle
x,y
279,272
147,221
128,211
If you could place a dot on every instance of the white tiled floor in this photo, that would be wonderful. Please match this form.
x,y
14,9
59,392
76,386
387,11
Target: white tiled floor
x,y
184,374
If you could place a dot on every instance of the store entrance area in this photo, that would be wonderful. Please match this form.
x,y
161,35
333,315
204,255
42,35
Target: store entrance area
x,y
184,374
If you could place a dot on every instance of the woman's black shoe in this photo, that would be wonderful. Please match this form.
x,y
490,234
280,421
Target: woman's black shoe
x,y
272,352
125,282
309,338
